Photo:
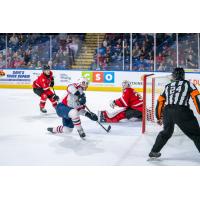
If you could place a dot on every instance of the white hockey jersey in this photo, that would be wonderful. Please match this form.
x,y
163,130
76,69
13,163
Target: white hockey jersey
x,y
70,99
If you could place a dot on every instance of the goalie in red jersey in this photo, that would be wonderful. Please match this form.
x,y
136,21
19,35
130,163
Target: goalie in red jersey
x,y
41,87
131,101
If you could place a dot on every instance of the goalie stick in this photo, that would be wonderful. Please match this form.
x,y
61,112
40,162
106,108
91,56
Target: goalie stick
x,y
106,129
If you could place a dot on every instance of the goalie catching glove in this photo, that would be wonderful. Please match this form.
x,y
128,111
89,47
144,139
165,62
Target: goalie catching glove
x,y
91,116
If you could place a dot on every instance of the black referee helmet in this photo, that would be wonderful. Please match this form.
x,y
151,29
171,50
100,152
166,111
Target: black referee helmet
x,y
178,74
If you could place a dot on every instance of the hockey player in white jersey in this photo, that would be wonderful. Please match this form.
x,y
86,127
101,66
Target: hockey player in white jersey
x,y
71,107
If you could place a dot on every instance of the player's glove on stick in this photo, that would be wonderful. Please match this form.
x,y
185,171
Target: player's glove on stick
x,y
91,116
55,97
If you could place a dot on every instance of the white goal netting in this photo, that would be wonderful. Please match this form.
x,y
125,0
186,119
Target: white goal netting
x,y
152,87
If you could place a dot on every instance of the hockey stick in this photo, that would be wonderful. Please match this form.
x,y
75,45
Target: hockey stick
x,y
53,90
55,94
106,129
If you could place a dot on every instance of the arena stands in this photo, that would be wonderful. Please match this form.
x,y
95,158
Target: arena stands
x,y
100,51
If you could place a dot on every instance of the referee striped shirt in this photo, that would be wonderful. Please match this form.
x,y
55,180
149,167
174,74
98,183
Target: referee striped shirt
x,y
178,93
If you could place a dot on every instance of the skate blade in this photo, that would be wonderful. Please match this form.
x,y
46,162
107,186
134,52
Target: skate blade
x,y
154,159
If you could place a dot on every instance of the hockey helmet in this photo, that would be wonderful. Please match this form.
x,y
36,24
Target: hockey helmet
x,y
46,67
126,84
46,70
83,82
178,74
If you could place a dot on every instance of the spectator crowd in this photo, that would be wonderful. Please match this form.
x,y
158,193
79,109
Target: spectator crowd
x,y
32,51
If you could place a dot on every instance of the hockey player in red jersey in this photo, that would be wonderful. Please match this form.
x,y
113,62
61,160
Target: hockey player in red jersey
x,y
41,87
131,101
71,107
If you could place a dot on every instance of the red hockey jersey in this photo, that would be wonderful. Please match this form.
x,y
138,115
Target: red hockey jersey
x,y
43,81
130,99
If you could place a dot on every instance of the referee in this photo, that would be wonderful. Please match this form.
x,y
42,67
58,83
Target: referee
x,y
173,108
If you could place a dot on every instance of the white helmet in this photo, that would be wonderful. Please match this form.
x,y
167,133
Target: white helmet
x,y
83,82
126,84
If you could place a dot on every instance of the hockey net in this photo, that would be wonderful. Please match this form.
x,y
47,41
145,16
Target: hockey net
x,y
152,87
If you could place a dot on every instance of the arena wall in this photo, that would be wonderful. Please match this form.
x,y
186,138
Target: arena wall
x,y
99,80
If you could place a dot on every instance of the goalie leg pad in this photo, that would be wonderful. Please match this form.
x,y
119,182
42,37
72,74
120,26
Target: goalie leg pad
x,y
130,113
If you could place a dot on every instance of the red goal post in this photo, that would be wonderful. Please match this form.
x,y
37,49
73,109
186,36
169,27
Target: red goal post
x,y
152,87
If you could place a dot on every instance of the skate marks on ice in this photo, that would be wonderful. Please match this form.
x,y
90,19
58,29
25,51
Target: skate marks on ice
x,y
175,160
40,116
128,151
6,137
179,151
173,154
124,128
23,139
73,143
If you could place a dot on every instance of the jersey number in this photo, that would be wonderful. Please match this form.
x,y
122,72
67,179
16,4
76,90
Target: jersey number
x,y
173,89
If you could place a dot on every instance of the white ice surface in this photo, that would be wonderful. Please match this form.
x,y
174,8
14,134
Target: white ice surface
x,y
25,141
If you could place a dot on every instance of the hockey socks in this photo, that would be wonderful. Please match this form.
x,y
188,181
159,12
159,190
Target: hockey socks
x,y
60,129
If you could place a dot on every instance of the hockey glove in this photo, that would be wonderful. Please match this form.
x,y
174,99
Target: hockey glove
x,y
82,99
52,83
160,122
91,116
55,97
77,93
112,104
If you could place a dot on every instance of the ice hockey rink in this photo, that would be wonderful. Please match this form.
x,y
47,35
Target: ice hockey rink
x,y
25,141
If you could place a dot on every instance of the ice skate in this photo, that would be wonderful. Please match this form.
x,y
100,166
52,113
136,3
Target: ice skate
x,y
153,156
81,133
43,110
50,129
